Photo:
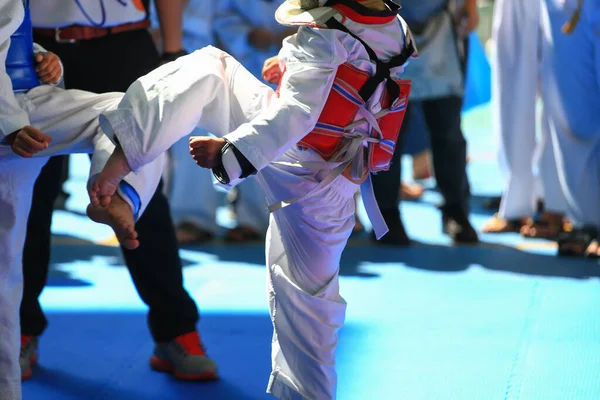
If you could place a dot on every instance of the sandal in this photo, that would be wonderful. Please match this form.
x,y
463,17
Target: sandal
x,y
545,225
242,234
190,233
593,250
497,224
578,242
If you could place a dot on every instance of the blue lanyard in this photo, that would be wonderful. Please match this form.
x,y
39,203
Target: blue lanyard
x,y
90,19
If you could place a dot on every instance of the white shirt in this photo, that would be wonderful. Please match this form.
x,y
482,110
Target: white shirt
x,y
311,58
99,13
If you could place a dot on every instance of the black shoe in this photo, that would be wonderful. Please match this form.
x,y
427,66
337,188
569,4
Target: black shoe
x,y
396,235
456,224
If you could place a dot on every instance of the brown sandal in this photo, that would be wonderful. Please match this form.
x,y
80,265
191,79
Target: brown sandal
x,y
189,233
242,234
545,225
500,225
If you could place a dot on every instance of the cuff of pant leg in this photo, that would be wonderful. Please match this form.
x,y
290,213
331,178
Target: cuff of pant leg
x,y
281,390
131,197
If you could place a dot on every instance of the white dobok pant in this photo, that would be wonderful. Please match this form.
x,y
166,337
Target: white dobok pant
x,y
570,74
211,90
70,117
515,83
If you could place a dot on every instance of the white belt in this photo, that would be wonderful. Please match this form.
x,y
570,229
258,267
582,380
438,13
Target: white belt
x,y
353,153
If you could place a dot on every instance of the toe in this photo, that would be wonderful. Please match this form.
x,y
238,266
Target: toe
x,y
104,201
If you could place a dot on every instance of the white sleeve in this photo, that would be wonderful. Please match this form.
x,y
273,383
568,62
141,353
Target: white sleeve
x,y
12,117
311,58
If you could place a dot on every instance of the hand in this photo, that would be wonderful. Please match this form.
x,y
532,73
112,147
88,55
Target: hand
x,y
48,67
468,18
206,150
271,71
27,141
261,38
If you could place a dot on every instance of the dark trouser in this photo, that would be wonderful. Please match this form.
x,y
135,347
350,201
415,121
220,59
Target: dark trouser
x,y
102,65
448,150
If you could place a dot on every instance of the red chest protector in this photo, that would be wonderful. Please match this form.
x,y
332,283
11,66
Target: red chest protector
x,y
352,89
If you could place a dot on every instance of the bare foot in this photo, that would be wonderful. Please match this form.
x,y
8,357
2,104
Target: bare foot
x,y
496,224
593,250
108,180
118,215
411,191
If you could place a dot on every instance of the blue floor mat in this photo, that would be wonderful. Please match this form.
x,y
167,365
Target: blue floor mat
x,y
505,320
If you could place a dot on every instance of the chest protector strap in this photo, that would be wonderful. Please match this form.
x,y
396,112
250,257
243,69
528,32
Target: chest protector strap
x,y
338,135
20,65
352,90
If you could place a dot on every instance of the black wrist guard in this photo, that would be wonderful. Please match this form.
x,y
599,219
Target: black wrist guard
x,y
221,174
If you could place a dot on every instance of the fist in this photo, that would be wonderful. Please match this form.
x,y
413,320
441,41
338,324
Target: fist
x,y
28,141
206,151
48,67
271,71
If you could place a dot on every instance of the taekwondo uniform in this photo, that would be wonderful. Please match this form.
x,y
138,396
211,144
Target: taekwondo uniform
x,y
70,117
321,90
570,88
516,80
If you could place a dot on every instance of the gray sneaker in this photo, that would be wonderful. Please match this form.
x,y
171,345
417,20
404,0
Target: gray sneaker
x,y
184,358
29,355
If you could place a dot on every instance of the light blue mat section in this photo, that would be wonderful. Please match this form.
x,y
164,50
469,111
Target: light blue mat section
x,y
425,323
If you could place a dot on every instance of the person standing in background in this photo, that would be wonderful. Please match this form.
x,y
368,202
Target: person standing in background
x,y
571,42
248,31
515,75
104,47
196,221
440,29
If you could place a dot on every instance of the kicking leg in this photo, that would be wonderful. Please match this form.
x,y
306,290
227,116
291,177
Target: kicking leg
x,y
207,89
